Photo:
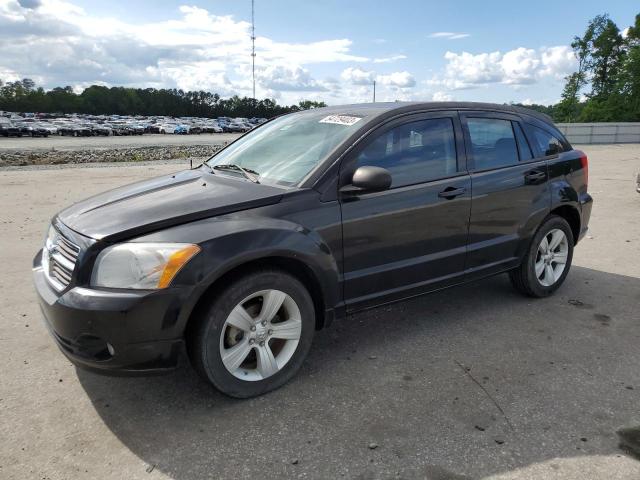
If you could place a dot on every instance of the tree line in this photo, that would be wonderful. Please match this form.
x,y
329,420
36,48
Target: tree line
x,y
25,96
606,85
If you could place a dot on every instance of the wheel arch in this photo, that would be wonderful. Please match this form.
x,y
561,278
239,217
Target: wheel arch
x,y
293,266
572,216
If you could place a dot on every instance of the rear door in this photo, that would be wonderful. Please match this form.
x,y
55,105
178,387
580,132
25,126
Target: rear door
x,y
510,191
412,237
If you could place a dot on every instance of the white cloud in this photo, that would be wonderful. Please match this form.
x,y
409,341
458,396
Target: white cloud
x,y
520,66
282,78
449,35
357,76
517,67
389,59
558,61
55,42
465,69
398,79
441,97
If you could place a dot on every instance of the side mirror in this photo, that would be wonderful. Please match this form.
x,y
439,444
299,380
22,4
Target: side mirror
x,y
369,179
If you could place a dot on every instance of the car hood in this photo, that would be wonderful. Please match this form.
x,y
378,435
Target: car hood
x,y
163,202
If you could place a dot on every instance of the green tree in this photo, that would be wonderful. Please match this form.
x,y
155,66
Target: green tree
x,y
606,56
629,78
308,104
568,108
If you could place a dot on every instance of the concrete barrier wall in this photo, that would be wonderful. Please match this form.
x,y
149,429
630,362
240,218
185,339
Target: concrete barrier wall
x,y
586,133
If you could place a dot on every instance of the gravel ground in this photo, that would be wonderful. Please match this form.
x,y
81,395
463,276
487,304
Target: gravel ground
x,y
69,150
473,382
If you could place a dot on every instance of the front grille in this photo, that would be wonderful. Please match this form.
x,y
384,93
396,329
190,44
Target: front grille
x,y
59,259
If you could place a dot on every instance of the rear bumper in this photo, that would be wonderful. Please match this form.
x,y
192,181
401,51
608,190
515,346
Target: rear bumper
x,y
116,332
586,203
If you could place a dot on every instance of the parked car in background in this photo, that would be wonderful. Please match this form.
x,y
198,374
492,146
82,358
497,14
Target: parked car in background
x,y
32,129
167,128
75,130
8,128
237,127
119,125
101,130
49,127
309,218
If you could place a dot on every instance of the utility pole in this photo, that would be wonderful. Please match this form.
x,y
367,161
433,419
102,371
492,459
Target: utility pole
x,y
253,48
374,91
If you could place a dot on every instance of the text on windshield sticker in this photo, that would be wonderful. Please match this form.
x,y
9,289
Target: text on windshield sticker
x,y
347,120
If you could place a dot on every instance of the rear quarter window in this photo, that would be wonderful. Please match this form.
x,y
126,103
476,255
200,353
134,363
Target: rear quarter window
x,y
544,142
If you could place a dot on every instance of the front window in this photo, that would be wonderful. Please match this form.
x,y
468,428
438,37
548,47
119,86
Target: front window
x,y
414,152
283,151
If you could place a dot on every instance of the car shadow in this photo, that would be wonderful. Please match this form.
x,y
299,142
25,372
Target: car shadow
x,y
464,383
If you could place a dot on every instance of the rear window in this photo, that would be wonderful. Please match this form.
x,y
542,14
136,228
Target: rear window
x,y
492,142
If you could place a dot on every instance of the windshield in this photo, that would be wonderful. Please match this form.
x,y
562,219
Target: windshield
x,y
285,150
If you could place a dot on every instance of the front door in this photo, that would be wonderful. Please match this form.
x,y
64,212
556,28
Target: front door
x,y
412,237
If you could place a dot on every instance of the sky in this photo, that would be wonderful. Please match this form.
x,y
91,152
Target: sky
x,y
330,50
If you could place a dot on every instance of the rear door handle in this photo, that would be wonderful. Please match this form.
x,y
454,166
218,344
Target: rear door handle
x,y
535,176
451,192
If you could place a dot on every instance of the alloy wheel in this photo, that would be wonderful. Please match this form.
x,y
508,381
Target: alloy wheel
x,y
260,335
551,258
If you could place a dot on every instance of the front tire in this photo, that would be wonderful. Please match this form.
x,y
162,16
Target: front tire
x,y
548,260
254,334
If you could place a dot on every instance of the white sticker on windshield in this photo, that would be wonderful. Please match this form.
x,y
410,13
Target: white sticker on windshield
x,y
347,120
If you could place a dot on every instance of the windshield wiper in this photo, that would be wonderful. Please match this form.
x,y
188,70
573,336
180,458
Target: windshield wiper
x,y
247,172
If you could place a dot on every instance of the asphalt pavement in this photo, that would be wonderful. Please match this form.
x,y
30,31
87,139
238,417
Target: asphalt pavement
x,y
473,382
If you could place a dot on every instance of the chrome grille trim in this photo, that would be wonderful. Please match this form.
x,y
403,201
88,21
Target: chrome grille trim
x,y
59,259
68,249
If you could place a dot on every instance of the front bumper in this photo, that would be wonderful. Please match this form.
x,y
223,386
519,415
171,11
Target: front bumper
x,y
113,331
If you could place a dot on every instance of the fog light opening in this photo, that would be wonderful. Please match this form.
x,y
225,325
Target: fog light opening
x,y
112,351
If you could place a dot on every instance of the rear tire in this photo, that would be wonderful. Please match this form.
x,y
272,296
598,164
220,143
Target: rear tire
x,y
268,317
548,260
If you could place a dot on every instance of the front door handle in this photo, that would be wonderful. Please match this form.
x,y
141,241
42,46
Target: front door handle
x,y
451,192
534,176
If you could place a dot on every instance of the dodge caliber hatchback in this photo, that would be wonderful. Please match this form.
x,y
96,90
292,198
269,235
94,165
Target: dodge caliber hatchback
x,y
305,219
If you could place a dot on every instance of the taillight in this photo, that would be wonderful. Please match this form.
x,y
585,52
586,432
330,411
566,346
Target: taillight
x,y
584,161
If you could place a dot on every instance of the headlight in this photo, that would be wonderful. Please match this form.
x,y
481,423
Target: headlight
x,y
141,265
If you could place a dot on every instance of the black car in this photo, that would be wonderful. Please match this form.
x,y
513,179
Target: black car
x,y
312,216
100,130
9,129
32,130
75,130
